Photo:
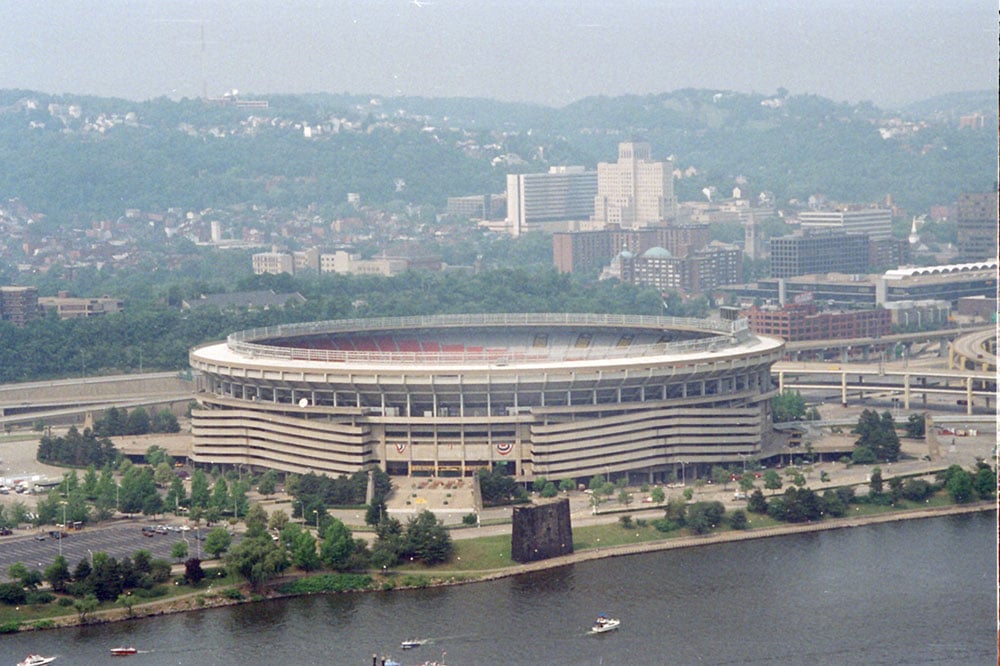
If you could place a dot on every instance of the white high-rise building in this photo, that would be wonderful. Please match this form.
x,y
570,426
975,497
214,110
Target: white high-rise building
x,y
635,191
534,200
876,222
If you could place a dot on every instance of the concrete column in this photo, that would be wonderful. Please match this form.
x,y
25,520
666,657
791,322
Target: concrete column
x,y
968,395
906,391
843,389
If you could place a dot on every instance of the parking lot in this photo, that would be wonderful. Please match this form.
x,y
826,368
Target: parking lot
x,y
118,540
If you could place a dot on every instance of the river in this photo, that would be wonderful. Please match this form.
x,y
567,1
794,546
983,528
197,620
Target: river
x,y
912,592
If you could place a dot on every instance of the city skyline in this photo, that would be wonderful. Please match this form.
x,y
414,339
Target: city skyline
x,y
890,53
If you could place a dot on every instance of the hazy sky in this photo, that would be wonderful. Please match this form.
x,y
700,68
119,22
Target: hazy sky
x,y
549,51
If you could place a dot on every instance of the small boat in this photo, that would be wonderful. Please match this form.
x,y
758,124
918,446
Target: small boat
x,y
36,660
123,651
412,643
604,623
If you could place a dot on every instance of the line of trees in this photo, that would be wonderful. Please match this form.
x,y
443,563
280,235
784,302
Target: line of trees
x,y
116,422
77,449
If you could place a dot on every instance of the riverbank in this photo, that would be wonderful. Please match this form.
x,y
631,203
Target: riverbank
x,y
206,599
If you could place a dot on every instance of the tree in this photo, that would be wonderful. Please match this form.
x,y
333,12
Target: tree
x,y
772,480
126,601
164,475
277,521
200,493
549,490
787,406
193,573
137,422
136,487
427,539
155,455
220,495
624,498
176,495
256,520
738,519
959,484
338,545
303,548
85,607
985,481
164,421
658,495
757,503
875,482
268,483
567,485
676,511
257,560
90,483
877,434
703,516
179,550
57,574
916,426
720,475
218,541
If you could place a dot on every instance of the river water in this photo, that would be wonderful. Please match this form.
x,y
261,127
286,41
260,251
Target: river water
x,y
913,592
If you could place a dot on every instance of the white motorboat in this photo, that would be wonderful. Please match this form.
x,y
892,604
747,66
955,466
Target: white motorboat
x,y
604,624
412,643
36,660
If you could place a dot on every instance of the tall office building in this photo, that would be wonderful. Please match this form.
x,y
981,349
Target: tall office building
x,y
812,252
875,222
19,305
635,191
977,225
561,195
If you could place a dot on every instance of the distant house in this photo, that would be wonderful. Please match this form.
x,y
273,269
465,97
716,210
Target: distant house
x,y
245,300
69,307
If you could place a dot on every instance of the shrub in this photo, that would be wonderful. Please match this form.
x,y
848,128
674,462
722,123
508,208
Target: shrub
x,y
41,597
469,519
232,593
917,490
11,627
152,593
738,519
65,602
665,525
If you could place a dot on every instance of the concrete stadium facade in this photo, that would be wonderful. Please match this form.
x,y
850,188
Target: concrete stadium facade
x,y
553,395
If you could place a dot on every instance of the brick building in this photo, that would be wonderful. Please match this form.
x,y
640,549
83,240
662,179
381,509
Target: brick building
x,y
803,321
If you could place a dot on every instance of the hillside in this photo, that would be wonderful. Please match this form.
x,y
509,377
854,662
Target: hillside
x,y
79,159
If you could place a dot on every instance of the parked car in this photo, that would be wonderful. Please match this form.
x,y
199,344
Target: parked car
x,y
39,537
6,531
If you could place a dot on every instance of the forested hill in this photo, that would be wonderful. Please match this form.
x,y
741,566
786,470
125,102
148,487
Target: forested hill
x,y
78,158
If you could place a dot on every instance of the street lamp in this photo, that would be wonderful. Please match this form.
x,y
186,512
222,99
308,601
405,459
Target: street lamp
x,y
63,527
316,512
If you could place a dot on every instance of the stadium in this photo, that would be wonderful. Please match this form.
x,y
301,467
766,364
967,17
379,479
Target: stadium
x,y
551,395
